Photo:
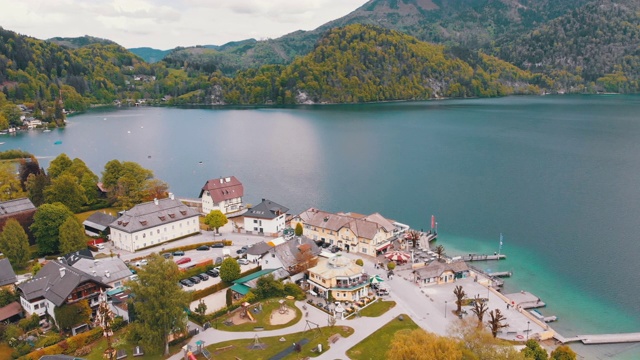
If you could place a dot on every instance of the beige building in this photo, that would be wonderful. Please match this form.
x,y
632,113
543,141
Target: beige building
x,y
340,275
441,273
368,235
224,194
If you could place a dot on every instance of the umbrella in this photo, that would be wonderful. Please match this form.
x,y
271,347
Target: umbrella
x,y
398,256
376,279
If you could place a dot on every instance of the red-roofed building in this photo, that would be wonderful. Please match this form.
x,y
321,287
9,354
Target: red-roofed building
x,y
224,194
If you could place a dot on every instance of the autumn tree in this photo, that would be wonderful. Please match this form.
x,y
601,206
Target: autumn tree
x,y
421,345
125,182
59,165
14,244
413,236
478,343
46,226
534,351
28,166
155,189
460,295
305,259
72,237
563,352
160,303
215,220
298,230
229,270
10,186
495,321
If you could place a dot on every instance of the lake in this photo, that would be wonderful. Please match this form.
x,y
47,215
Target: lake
x,y
557,175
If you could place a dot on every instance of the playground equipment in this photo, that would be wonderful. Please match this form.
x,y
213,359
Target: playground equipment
x,y
284,309
200,349
245,312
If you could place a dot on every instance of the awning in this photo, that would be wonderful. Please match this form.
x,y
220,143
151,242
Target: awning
x,y
240,289
384,246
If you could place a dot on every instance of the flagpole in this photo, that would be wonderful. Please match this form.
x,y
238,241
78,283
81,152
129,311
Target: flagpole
x,y
500,247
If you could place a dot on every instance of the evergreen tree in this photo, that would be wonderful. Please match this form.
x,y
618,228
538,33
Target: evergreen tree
x,y
72,236
229,270
14,243
298,230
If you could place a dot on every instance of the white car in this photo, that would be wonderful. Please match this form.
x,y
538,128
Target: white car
x,y
100,246
141,262
243,261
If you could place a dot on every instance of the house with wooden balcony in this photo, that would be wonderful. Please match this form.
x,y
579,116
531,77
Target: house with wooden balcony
x,y
341,276
58,284
224,194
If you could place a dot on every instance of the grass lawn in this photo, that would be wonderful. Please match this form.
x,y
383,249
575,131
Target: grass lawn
x,y
376,309
241,348
263,317
83,216
375,345
119,342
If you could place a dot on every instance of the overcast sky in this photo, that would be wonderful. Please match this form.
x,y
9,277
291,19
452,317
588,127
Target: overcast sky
x,y
165,24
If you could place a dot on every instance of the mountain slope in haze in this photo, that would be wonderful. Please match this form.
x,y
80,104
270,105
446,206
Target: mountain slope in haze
x,y
365,63
150,55
76,42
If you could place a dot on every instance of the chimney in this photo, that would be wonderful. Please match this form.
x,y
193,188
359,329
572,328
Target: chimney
x,y
106,273
155,201
171,196
221,181
93,272
62,271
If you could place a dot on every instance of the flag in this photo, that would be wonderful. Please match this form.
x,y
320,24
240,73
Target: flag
x,y
433,221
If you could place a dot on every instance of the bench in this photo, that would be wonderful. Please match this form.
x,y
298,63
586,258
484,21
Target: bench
x,y
334,338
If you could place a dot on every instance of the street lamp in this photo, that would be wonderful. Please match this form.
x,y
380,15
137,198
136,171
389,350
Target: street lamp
x,y
445,309
528,330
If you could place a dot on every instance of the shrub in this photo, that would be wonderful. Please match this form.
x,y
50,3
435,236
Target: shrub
x,y
391,265
359,262
295,291
50,339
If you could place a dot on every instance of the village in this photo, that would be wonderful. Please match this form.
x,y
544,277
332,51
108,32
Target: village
x,y
343,262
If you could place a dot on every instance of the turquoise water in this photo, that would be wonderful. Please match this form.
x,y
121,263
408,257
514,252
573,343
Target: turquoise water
x,y
558,176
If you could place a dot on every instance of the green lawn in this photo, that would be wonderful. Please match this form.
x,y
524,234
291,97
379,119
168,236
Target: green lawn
x,y
376,345
262,318
119,342
376,309
240,349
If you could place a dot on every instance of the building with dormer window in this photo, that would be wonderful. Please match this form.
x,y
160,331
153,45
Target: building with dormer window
x,y
224,194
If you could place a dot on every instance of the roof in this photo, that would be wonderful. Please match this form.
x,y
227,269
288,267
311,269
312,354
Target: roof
x,y
336,266
267,209
49,283
152,214
71,258
362,226
7,275
222,189
10,310
16,206
240,289
255,275
259,249
288,252
106,269
436,268
99,220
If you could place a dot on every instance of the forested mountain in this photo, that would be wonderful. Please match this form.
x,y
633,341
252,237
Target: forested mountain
x,y
77,42
597,45
470,23
364,63
150,55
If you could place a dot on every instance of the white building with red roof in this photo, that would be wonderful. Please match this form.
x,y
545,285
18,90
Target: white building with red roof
x,y
224,194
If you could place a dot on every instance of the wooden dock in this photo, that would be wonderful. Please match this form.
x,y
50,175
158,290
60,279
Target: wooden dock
x,y
600,338
501,274
475,257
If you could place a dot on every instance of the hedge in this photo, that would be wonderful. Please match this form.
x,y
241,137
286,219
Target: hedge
x,y
67,346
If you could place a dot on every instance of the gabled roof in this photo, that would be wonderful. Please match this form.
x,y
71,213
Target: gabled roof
x,y
106,269
151,214
50,284
255,275
10,310
362,226
7,275
71,258
259,249
267,209
289,252
436,268
99,220
15,206
222,189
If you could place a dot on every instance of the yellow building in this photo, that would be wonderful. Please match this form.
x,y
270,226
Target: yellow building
x,y
368,235
340,275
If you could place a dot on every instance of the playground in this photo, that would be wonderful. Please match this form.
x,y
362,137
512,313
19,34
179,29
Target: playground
x,y
267,315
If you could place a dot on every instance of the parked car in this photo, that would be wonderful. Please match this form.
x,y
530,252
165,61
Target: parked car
x,y
241,251
213,273
202,248
195,279
218,245
326,245
243,261
218,261
178,253
186,282
167,255
100,246
203,276
183,261
142,262
335,249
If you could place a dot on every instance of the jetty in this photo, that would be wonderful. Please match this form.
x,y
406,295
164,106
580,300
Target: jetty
x,y
475,257
525,300
501,274
541,317
600,338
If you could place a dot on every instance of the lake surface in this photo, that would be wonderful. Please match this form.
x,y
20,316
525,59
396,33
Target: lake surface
x,y
558,176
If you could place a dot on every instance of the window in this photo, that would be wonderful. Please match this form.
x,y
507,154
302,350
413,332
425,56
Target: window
x,y
136,237
144,236
158,231
36,306
364,250
255,221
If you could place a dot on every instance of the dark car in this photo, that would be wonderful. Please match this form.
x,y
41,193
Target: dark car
x,y
178,253
203,276
213,273
167,255
218,245
218,260
186,282
195,279
203,248
242,250
326,245
335,249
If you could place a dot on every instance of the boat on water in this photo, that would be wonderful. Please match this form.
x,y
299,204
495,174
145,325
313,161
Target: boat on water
x,y
46,130
57,142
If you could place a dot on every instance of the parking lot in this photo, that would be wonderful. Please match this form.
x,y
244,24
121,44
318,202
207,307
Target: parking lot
x,y
212,281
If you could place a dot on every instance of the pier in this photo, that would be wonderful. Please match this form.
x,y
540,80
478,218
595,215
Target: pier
x,y
474,257
501,274
600,338
525,300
